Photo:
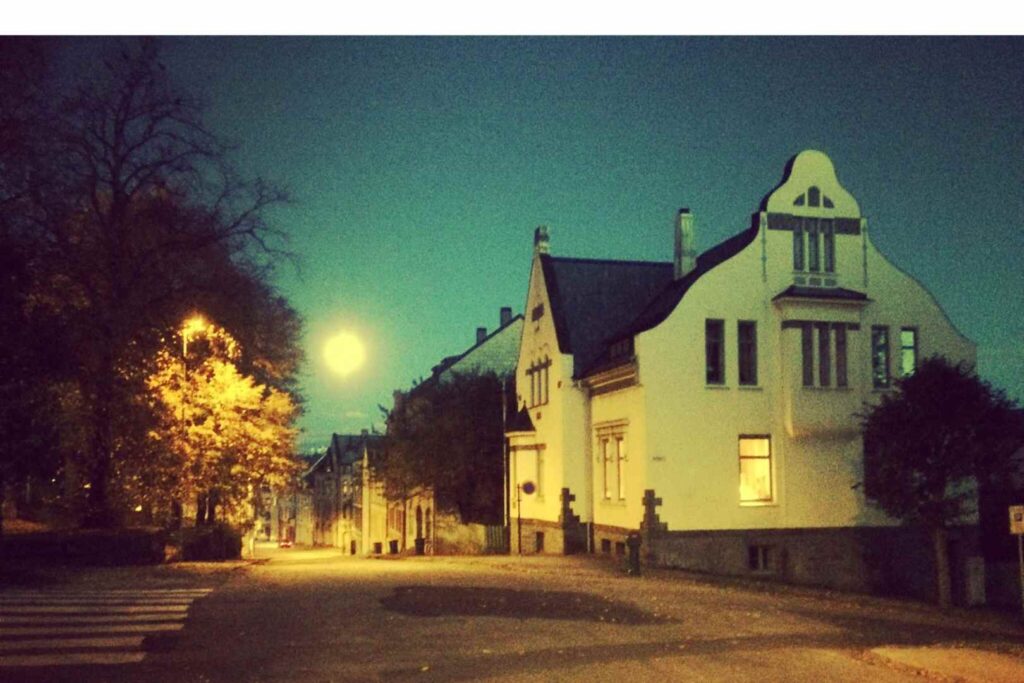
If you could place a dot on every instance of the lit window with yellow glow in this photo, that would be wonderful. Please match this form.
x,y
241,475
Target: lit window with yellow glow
x,y
755,469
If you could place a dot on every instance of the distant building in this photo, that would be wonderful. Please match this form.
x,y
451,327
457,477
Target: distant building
x,y
712,400
419,518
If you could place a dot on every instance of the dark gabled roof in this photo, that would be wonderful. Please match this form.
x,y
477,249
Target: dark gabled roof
x,y
763,206
797,292
666,301
658,307
590,297
520,422
345,449
449,361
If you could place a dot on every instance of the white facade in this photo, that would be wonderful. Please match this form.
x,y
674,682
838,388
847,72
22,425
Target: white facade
x,y
813,295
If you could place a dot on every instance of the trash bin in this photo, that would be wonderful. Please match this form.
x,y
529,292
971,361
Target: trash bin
x,y
421,544
393,547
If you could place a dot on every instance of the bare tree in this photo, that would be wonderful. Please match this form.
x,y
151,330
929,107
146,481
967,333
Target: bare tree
x,y
151,222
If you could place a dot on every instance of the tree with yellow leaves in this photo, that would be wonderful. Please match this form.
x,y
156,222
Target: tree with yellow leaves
x,y
222,435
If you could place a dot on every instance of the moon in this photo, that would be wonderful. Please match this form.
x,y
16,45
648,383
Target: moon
x,y
344,353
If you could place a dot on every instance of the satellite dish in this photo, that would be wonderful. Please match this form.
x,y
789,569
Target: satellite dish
x,y
528,487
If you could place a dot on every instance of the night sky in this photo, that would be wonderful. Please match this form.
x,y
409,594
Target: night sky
x,y
419,168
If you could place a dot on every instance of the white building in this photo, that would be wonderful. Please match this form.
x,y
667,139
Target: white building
x,y
728,384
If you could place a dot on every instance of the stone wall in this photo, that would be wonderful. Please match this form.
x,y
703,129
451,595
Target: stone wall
x,y
881,560
453,537
538,536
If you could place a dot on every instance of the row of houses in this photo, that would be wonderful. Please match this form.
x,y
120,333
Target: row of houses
x,y
342,500
709,402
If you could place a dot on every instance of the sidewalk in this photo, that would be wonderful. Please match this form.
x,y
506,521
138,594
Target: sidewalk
x,y
959,663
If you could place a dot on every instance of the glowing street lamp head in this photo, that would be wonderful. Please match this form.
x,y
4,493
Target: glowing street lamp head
x,y
344,353
193,325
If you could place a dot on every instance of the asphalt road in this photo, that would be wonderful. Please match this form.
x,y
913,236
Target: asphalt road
x,y
314,615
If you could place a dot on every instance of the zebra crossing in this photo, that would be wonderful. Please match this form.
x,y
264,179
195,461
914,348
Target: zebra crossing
x,y
75,627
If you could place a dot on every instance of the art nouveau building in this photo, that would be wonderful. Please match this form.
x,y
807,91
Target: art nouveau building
x,y
728,384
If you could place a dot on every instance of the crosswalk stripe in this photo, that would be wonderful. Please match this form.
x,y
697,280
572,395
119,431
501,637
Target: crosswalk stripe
x,y
72,643
131,591
109,609
96,595
8,631
73,659
76,627
58,619
4,604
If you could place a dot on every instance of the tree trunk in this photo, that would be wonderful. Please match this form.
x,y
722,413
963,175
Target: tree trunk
x,y
211,509
200,509
97,507
944,589
3,498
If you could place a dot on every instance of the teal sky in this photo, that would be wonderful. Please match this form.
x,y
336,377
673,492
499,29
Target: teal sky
x,y
420,167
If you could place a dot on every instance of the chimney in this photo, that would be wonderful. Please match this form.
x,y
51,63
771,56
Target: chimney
x,y
540,240
481,334
686,249
506,315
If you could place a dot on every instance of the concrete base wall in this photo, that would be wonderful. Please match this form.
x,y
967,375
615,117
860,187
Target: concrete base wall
x,y
881,560
609,541
538,536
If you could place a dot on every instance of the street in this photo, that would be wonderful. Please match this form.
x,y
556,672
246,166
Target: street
x,y
314,615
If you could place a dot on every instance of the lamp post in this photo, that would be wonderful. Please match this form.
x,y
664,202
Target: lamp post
x,y
190,327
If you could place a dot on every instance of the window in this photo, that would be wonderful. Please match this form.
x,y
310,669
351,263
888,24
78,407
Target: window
x,y
759,558
813,246
746,333
831,356
538,374
880,356
755,469
824,355
807,353
714,349
620,466
841,377
813,196
908,351
612,456
798,246
829,237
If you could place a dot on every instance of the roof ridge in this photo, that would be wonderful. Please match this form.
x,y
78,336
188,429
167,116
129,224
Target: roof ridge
x,y
617,262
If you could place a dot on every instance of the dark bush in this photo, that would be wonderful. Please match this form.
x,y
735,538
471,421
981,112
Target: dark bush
x,y
217,542
87,547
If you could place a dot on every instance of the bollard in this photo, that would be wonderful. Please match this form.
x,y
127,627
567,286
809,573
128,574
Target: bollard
x,y
633,544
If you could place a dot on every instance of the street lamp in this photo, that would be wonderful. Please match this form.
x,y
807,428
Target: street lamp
x,y
189,328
